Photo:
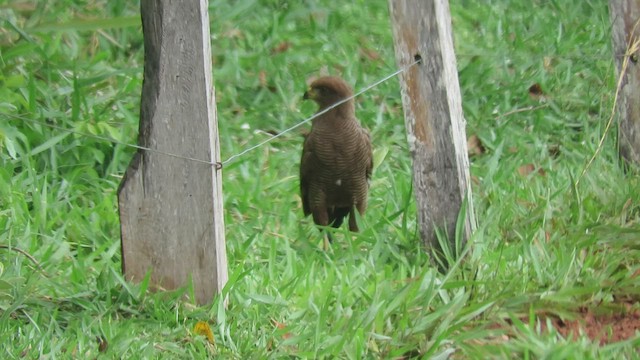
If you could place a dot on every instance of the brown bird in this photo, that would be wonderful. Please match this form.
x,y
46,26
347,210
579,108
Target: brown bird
x,y
336,159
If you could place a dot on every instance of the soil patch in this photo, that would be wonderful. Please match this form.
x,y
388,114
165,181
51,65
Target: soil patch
x,y
605,327
610,325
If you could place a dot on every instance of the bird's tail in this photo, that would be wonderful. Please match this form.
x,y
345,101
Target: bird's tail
x,y
336,217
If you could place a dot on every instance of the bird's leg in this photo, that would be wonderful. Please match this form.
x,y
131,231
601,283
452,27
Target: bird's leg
x,y
320,215
326,241
353,223
321,218
361,206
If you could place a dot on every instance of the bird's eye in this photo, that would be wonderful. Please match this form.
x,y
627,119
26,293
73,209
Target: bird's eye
x,y
323,90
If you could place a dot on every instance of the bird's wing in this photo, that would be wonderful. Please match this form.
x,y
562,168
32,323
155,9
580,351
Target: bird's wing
x,y
306,167
368,152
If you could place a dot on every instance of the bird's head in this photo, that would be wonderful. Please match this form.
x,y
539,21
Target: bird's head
x,y
328,90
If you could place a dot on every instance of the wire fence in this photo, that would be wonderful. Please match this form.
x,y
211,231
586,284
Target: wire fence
x,y
219,164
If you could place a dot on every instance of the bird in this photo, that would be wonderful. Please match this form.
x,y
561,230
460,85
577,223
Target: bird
x,y
337,161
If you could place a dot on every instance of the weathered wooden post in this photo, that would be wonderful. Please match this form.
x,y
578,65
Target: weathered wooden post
x,y
624,15
171,208
433,116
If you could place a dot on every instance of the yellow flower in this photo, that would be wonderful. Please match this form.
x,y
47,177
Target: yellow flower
x,y
202,328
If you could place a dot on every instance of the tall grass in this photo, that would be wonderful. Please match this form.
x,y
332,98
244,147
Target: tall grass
x,y
544,246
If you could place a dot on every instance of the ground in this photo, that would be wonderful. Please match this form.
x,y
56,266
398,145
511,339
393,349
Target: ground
x,y
558,241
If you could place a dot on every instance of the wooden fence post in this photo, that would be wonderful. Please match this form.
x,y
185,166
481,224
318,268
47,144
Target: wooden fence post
x,y
433,116
171,208
624,15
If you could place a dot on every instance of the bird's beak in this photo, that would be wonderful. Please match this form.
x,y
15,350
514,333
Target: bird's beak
x,y
309,94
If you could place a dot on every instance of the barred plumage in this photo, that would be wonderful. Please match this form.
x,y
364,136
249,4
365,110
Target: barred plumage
x,y
336,159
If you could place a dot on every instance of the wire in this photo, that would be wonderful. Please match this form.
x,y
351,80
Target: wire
x,y
367,88
103,138
219,165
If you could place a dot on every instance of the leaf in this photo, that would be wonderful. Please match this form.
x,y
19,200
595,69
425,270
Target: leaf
x,y
369,54
100,77
8,144
547,63
379,154
282,327
535,92
103,345
474,146
280,48
203,328
92,24
266,299
233,33
48,144
527,169
262,77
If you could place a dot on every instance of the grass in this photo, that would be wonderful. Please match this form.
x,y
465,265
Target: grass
x,y
543,246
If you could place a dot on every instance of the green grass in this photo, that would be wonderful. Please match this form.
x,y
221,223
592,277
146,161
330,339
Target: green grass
x,y
543,245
